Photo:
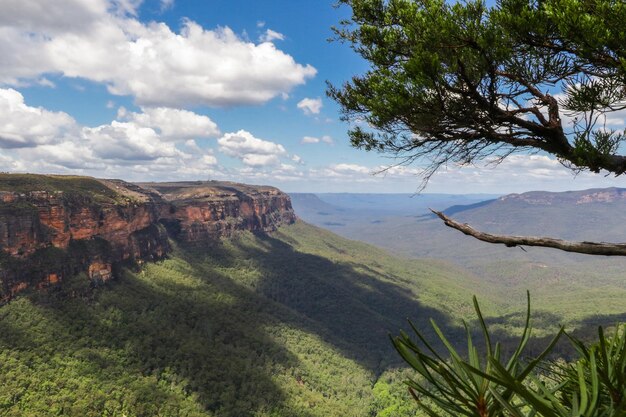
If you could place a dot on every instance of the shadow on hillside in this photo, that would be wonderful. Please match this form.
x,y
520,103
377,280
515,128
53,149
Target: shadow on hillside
x,y
210,335
546,323
355,311
351,310
207,342
587,329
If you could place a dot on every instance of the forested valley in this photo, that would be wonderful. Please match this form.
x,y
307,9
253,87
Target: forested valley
x,y
295,323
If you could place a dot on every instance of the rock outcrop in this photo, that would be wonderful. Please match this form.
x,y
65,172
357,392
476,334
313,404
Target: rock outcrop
x,y
201,211
52,227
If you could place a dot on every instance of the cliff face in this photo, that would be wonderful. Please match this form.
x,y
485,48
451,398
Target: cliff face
x,y
198,211
51,227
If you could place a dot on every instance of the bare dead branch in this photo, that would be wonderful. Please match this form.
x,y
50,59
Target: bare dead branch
x,y
589,248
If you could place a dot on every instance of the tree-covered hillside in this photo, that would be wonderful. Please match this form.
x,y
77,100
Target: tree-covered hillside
x,y
293,324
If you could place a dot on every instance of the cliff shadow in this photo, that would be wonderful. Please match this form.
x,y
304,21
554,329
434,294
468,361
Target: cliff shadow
x,y
165,345
353,310
355,307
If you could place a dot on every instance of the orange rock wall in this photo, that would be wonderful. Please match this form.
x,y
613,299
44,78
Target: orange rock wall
x,y
204,220
54,222
34,221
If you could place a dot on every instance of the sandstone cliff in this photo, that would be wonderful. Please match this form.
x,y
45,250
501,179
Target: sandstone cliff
x,y
54,226
197,211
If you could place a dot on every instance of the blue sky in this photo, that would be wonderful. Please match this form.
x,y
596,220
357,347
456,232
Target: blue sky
x,y
216,89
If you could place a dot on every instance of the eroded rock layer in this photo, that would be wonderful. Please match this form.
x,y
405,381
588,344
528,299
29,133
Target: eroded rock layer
x,y
200,211
54,226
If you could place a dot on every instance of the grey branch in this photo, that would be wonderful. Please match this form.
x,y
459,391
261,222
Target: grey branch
x,y
589,248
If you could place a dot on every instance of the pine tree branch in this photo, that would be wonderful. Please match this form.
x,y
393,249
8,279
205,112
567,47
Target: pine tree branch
x,y
589,248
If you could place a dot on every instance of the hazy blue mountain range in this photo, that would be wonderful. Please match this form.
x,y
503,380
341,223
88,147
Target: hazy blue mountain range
x,y
558,279
336,210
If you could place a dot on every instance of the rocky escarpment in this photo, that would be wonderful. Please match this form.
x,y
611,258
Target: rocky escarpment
x,y
201,211
52,227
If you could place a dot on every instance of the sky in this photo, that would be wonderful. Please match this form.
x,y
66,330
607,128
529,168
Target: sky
x,y
206,90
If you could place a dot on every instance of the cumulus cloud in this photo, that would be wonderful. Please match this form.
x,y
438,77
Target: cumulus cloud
x,y
23,126
310,105
311,139
156,139
166,4
101,41
53,16
173,124
152,143
122,7
127,141
350,169
250,150
256,160
270,36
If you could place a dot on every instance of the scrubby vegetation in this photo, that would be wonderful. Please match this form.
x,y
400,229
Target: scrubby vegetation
x,y
75,189
22,183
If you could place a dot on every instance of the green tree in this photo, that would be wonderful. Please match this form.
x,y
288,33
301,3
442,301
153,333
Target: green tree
x,y
462,81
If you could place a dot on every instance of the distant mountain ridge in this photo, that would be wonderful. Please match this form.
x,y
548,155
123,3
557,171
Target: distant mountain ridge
x,y
549,198
552,276
592,214
593,195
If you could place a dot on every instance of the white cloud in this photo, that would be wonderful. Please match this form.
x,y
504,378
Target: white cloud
x,y
250,150
161,144
256,160
310,105
192,145
271,35
166,5
23,126
123,7
38,140
209,160
174,124
309,139
101,42
153,143
127,141
350,169
50,15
